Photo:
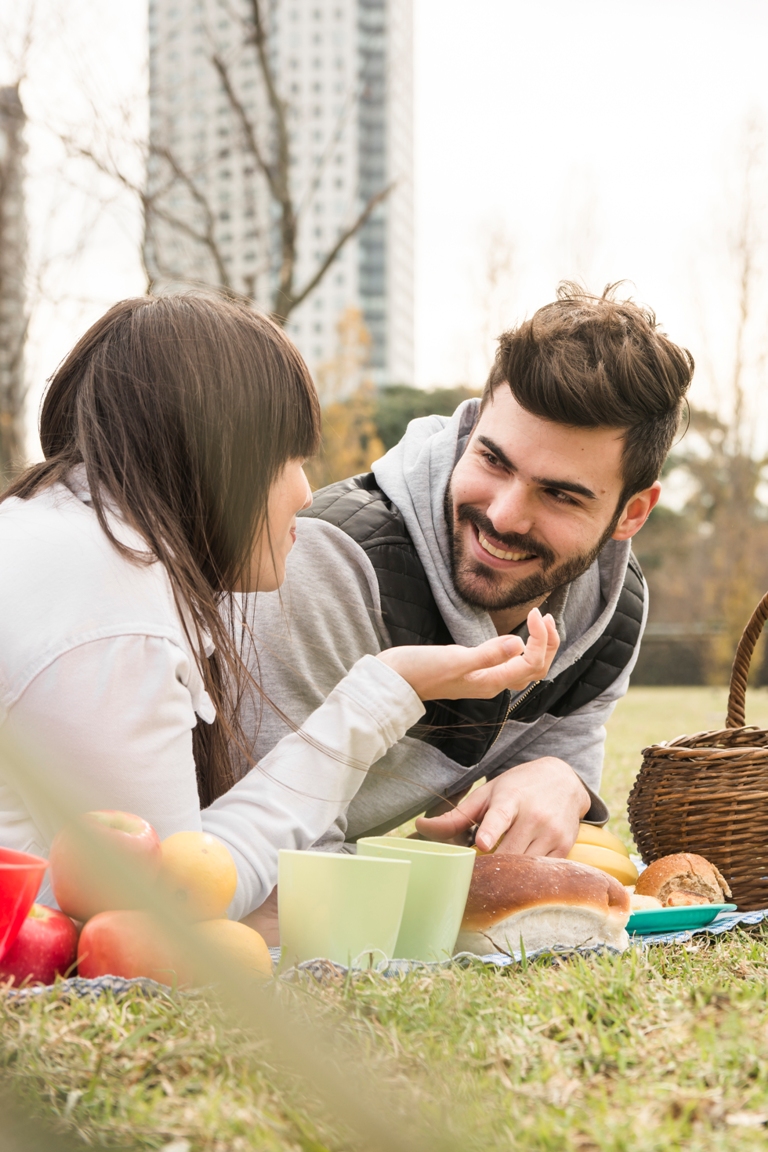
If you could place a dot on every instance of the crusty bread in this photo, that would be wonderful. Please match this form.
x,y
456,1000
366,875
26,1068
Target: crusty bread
x,y
683,878
643,903
543,903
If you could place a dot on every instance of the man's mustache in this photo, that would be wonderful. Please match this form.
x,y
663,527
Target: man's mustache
x,y
516,542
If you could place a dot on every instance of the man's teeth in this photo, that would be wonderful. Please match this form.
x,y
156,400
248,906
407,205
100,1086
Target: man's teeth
x,y
502,555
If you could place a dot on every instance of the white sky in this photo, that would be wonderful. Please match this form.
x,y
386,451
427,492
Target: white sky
x,y
553,138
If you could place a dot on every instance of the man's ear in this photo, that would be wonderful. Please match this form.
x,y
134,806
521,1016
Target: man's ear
x,y
637,512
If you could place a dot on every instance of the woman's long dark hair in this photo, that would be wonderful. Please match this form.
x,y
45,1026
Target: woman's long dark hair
x,y
184,410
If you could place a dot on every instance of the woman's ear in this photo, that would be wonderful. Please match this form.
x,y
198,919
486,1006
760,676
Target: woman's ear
x,y
636,512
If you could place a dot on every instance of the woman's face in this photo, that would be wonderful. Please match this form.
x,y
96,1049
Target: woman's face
x,y
289,493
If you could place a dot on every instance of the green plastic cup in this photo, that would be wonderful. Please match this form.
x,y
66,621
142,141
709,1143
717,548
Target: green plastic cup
x,y
437,893
340,907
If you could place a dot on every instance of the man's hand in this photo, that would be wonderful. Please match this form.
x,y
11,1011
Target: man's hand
x,y
452,672
532,809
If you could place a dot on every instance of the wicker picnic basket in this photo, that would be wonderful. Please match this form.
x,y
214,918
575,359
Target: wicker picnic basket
x,y
708,793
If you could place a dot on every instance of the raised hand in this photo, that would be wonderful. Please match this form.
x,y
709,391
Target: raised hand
x,y
452,672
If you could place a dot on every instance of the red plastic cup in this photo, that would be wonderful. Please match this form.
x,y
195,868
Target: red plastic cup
x,y
20,878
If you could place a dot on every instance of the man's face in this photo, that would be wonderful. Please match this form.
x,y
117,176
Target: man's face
x,y
530,504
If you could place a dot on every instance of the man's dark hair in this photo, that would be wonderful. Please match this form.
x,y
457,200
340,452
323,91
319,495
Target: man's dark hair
x,y
598,362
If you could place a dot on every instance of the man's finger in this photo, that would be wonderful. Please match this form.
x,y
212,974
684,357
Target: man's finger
x,y
495,824
444,827
547,846
496,652
520,836
459,820
543,641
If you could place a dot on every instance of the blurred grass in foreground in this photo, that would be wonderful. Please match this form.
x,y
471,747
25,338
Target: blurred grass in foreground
x,y
662,1049
667,1049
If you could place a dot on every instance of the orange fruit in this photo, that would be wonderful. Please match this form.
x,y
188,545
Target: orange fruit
x,y
238,944
199,874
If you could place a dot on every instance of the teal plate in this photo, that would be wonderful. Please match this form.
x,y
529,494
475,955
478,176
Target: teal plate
x,y
675,919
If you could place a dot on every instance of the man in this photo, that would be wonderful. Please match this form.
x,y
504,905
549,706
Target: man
x,y
528,497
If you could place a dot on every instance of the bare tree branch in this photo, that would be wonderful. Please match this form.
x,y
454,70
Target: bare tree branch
x,y
344,237
152,206
208,237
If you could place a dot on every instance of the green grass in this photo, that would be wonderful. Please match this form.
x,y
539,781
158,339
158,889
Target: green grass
x,y
662,1049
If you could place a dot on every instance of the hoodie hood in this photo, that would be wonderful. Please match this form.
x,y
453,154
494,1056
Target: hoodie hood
x,y
415,475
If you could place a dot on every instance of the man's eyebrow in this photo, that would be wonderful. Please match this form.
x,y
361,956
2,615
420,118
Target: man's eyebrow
x,y
566,486
543,481
499,452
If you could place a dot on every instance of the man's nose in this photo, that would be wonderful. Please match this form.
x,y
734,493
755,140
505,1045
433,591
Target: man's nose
x,y
511,510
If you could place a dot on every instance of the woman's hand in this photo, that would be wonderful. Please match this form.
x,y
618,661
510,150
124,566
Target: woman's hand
x,y
451,672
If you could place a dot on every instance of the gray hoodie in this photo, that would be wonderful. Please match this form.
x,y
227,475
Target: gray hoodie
x,y
328,614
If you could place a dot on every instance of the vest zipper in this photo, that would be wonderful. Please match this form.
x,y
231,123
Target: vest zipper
x,y
472,832
513,705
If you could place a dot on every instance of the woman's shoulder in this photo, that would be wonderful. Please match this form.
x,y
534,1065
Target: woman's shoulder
x,y
55,536
63,583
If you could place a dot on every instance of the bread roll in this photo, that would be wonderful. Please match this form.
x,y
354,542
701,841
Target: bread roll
x,y
643,903
681,879
543,903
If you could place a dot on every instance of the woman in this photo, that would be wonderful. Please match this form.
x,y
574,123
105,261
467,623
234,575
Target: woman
x,y
174,436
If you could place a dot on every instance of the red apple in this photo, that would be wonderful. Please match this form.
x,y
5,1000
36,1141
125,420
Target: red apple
x,y
130,944
81,884
45,947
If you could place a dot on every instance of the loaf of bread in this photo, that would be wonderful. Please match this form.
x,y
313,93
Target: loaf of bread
x,y
643,903
541,902
683,878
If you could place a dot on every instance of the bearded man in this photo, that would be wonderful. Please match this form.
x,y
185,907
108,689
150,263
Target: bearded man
x,y
527,497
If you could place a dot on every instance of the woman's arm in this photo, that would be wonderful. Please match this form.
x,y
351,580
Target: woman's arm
x,y
296,792
112,721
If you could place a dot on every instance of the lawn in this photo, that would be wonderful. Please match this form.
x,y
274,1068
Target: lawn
x,y
666,1048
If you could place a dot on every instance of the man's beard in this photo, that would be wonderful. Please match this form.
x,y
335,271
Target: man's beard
x,y
488,588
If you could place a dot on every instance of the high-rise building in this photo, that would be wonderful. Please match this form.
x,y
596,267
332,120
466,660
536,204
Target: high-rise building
x,y
13,248
343,69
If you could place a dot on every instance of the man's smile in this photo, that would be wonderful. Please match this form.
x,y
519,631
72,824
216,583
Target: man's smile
x,y
494,553
499,552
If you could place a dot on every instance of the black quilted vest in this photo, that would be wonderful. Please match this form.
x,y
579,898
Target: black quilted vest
x,y
465,730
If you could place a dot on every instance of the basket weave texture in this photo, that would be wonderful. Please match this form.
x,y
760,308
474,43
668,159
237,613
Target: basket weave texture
x,y
708,793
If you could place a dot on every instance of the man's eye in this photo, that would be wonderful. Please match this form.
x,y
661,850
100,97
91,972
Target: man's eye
x,y
561,497
491,459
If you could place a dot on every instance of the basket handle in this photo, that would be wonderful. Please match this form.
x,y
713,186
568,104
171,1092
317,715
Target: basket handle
x,y
736,715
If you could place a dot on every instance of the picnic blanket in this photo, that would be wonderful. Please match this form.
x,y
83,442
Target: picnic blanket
x,y
724,922
322,969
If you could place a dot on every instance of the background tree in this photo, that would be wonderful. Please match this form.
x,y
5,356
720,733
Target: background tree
x,y
707,562
350,436
13,305
360,422
177,198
